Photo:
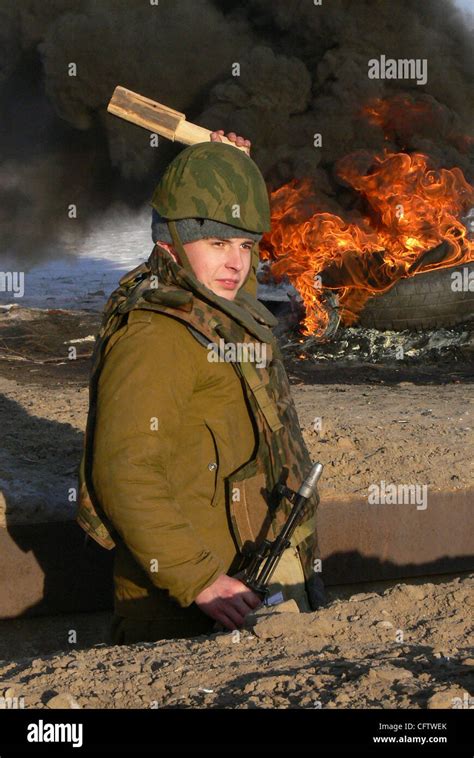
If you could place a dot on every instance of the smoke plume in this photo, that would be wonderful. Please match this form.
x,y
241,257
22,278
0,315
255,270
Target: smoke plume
x,y
303,71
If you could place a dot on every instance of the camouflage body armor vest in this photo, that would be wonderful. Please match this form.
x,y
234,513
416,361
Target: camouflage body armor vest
x,y
256,510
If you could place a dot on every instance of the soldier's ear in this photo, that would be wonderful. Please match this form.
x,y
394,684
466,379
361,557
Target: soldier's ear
x,y
169,247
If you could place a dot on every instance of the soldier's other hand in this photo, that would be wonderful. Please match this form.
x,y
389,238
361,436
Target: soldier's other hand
x,y
228,601
233,137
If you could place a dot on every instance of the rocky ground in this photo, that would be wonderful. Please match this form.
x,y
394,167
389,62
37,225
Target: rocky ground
x,y
407,647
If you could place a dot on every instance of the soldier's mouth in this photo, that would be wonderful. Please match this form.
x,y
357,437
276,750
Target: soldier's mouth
x,y
228,284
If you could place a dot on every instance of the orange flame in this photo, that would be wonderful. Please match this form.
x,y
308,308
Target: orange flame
x,y
410,209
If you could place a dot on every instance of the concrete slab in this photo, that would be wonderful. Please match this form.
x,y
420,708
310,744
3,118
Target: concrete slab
x,y
51,568
361,542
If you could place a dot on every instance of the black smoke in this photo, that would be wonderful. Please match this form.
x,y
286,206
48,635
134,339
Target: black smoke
x,y
303,70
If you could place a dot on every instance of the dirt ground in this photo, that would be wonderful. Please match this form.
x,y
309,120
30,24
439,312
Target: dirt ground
x,y
407,647
366,420
363,433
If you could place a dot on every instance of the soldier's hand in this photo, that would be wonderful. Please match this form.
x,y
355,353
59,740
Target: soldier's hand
x,y
228,601
232,136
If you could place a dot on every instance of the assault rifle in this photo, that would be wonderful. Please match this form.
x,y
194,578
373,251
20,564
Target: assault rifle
x,y
264,558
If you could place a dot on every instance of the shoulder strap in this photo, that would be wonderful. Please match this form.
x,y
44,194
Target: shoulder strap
x,y
258,387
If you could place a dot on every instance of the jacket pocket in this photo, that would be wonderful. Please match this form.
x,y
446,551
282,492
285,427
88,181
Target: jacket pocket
x,y
213,466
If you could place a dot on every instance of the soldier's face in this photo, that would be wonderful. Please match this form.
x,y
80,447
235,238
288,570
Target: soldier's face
x,y
221,264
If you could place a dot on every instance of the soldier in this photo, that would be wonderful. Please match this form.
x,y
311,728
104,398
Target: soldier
x,y
191,424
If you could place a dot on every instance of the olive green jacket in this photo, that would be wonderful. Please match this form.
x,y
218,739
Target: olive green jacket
x,y
170,427
183,454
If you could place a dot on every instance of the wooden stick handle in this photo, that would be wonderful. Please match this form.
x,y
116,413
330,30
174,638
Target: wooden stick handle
x,y
159,118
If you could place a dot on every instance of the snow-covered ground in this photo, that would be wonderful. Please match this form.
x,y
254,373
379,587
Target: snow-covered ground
x,y
89,273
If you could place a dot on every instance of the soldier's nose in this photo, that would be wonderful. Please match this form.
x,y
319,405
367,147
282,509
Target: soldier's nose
x,y
235,260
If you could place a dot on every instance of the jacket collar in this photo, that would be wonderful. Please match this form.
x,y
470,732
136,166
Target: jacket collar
x,y
245,309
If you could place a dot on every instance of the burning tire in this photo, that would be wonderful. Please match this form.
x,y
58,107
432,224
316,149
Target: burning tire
x,y
425,301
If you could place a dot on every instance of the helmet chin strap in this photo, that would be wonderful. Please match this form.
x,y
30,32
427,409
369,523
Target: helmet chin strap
x,y
179,247
250,284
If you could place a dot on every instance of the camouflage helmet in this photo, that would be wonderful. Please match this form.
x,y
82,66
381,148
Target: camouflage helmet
x,y
215,181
